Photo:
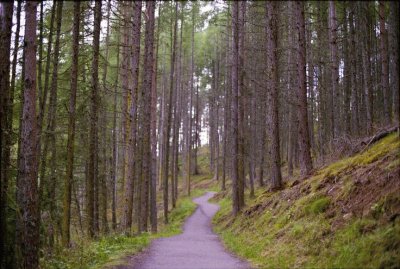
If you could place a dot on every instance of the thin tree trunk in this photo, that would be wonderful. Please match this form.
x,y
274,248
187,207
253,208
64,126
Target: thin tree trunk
x,y
167,127
43,97
93,138
113,168
146,115
272,82
234,107
103,124
6,14
366,64
129,187
334,70
50,138
71,129
153,138
394,56
241,102
384,62
304,138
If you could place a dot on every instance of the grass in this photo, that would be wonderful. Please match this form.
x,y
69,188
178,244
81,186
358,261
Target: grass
x,y
111,250
298,227
317,206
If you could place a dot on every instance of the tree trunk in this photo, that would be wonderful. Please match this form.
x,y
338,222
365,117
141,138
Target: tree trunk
x,y
241,102
71,129
304,138
129,187
43,96
394,56
114,158
334,70
103,124
272,82
366,64
93,138
27,192
384,62
167,125
153,139
6,14
234,107
146,115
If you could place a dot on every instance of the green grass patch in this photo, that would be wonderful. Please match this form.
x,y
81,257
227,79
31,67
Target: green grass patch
x,y
317,206
300,234
110,250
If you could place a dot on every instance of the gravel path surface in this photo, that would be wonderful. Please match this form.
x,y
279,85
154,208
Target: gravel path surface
x,y
197,247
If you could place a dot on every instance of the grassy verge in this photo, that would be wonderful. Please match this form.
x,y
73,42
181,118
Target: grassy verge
x,y
345,216
111,249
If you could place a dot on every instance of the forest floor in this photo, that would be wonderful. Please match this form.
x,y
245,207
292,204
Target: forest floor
x,y
197,247
112,249
345,215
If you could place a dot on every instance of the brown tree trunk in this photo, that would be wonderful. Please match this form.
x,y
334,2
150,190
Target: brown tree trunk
x,y
304,138
27,192
129,187
93,138
153,139
103,124
167,124
241,102
366,64
394,56
272,82
124,85
235,111
71,129
384,62
43,96
114,160
146,115
334,70
6,14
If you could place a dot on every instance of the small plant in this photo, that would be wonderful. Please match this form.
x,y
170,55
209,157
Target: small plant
x,y
318,206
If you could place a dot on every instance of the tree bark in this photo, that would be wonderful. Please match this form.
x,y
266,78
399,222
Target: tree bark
x,y
27,192
71,129
272,82
153,139
93,138
167,126
114,158
235,112
334,70
146,115
385,63
6,14
304,138
129,187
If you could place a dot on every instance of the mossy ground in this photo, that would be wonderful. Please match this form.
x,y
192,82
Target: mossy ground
x,y
346,215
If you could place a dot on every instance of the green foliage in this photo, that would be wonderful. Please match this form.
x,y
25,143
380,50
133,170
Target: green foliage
x,y
110,250
317,206
303,233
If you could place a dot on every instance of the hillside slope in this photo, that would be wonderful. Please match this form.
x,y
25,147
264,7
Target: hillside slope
x,y
346,215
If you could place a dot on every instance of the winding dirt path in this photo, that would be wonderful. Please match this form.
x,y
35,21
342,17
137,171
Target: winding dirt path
x,y
197,247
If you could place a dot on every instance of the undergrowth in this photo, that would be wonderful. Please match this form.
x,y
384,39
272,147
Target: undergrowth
x,y
110,250
318,222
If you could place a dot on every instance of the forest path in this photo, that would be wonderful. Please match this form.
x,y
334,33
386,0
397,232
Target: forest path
x,y
197,247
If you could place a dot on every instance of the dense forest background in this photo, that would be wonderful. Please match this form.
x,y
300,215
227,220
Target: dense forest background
x,y
106,105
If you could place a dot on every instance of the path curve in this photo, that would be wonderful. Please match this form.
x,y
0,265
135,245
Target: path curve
x,y
198,247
